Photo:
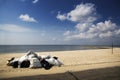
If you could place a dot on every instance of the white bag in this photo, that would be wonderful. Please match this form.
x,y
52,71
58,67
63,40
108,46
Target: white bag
x,y
45,56
54,62
35,63
23,58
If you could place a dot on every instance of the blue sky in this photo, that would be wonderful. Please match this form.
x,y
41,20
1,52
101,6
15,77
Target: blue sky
x,y
52,22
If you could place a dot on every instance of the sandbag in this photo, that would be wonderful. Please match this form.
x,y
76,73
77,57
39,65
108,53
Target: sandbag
x,y
14,64
45,56
35,63
31,54
46,65
54,61
24,64
32,60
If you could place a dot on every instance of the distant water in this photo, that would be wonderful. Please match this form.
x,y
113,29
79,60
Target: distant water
x,y
44,48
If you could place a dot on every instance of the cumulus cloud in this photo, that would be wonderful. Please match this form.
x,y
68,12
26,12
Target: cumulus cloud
x,y
61,17
35,1
117,32
83,35
14,28
100,30
82,13
107,25
27,18
106,34
85,16
82,27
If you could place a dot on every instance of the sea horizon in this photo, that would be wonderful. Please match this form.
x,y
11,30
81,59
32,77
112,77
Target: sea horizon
x,y
49,48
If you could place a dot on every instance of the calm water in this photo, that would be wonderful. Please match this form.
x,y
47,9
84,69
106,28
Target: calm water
x,y
44,48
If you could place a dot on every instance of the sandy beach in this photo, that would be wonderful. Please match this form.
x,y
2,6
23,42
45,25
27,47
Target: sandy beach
x,y
97,64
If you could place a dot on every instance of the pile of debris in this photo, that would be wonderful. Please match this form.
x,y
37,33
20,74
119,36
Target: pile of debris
x,y
32,60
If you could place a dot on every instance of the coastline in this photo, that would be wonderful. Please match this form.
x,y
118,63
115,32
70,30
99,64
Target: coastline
x,y
74,61
48,48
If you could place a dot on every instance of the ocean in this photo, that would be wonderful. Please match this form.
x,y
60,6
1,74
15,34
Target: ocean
x,y
45,48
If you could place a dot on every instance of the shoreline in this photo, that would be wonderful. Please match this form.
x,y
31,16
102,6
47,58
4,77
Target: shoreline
x,y
74,61
57,50
48,48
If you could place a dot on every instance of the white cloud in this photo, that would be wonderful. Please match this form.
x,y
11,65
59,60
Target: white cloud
x,y
102,27
106,26
82,13
85,16
117,32
61,17
81,36
35,1
27,18
106,34
105,29
14,28
82,27
67,33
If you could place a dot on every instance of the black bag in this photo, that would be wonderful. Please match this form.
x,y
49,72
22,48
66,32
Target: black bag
x,y
46,65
